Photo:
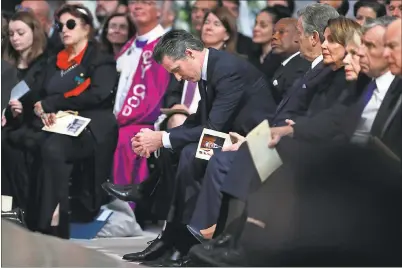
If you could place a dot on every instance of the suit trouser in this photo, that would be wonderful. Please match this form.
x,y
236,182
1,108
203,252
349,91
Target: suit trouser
x,y
209,200
188,180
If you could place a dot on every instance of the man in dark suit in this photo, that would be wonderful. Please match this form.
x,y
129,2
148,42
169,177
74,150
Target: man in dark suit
x,y
234,97
285,42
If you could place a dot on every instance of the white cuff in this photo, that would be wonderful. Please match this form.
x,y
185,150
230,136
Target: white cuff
x,y
166,140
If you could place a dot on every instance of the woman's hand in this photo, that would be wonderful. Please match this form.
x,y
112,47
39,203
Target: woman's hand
x,y
48,119
16,107
3,121
38,110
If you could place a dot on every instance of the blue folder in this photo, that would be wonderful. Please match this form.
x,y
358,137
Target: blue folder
x,y
91,229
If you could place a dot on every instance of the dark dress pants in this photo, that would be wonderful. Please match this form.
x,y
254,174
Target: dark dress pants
x,y
209,200
188,180
58,153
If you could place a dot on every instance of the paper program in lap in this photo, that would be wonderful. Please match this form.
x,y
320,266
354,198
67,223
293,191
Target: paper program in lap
x,y
266,160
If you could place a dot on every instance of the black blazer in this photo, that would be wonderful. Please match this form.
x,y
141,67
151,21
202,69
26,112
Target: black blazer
x,y
238,98
96,102
270,64
285,76
320,92
340,122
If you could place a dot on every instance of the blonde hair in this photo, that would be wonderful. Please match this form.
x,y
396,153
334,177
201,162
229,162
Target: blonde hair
x,y
341,28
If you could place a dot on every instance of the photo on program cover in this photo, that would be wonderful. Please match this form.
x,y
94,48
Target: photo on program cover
x,y
210,141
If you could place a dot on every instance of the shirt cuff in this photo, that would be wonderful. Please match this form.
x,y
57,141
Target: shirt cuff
x,y
166,140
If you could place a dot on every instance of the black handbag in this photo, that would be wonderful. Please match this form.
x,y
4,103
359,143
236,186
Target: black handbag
x,y
16,216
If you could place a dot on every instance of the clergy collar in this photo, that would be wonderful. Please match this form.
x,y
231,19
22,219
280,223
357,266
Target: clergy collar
x,y
205,66
152,35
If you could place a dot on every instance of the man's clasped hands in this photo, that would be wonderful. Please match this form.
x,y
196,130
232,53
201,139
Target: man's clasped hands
x,y
148,141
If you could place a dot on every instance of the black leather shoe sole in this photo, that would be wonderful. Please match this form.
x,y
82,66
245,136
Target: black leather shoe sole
x,y
199,256
124,195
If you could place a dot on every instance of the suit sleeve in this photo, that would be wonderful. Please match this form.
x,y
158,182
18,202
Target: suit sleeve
x,y
324,127
103,81
229,90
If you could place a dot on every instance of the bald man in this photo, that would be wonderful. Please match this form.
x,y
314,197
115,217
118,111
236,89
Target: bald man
x,y
393,47
41,9
285,42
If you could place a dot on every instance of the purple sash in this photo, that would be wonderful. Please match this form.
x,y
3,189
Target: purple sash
x,y
140,109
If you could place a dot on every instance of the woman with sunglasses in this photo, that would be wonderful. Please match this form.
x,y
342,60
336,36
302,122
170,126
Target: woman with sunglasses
x,y
81,79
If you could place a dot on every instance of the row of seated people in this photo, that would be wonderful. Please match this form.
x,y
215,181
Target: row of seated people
x,y
139,93
338,99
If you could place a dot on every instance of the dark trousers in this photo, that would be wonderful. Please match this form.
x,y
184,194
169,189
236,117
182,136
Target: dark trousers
x,y
58,153
188,180
209,200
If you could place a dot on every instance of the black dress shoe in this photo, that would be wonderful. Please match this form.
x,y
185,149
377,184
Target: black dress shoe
x,y
132,194
156,249
219,252
170,256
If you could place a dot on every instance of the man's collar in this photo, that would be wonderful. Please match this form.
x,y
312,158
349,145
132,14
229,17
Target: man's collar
x,y
384,81
205,66
316,61
290,57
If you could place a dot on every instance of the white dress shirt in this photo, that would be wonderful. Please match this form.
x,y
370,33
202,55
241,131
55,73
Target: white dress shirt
x,y
289,58
127,66
369,113
316,61
165,136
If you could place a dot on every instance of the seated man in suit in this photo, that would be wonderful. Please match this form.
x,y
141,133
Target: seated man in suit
x,y
285,43
393,51
373,115
235,183
234,97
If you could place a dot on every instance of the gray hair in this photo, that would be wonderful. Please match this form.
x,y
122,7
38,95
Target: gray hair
x,y
381,21
174,44
315,18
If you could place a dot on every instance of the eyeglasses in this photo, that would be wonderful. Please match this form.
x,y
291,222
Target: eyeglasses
x,y
70,25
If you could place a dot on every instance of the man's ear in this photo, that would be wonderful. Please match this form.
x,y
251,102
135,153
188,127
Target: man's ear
x,y
315,38
189,53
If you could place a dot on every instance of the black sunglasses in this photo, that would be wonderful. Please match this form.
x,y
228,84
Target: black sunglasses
x,y
70,25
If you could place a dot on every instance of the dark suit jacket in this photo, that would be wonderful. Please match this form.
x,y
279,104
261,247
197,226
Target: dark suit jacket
x,y
270,64
238,98
340,122
320,92
285,76
54,43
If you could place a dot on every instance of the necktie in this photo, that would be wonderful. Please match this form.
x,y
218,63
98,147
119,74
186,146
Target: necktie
x,y
190,90
368,93
203,93
140,44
